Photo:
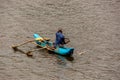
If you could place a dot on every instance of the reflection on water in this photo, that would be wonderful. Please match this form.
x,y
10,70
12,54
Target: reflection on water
x,y
62,59
70,58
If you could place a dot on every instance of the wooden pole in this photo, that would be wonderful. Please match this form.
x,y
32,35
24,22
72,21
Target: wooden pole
x,y
29,52
15,46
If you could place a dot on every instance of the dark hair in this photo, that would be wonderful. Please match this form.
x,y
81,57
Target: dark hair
x,y
60,31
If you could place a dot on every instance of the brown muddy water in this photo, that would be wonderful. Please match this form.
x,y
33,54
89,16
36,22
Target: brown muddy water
x,y
93,27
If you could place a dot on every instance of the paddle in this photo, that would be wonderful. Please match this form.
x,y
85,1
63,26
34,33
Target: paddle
x,y
67,40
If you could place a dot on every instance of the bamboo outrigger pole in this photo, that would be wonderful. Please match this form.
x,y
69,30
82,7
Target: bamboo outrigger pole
x,y
30,41
35,50
15,46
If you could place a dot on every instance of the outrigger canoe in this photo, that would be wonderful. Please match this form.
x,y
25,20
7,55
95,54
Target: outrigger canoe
x,y
65,51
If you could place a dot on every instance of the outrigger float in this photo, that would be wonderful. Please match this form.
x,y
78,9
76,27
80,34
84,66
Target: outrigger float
x,y
45,43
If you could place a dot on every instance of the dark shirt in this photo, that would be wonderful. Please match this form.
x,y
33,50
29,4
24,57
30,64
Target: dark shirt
x,y
59,39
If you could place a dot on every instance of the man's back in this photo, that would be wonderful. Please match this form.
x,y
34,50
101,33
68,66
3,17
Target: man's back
x,y
59,38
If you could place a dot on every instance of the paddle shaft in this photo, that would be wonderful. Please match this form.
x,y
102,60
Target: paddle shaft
x,y
67,40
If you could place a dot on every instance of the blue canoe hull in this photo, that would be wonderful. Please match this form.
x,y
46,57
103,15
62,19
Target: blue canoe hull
x,y
66,51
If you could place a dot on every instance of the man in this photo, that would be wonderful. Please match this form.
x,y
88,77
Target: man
x,y
60,39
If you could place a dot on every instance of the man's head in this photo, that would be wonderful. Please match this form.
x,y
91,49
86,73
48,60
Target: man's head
x,y
60,30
